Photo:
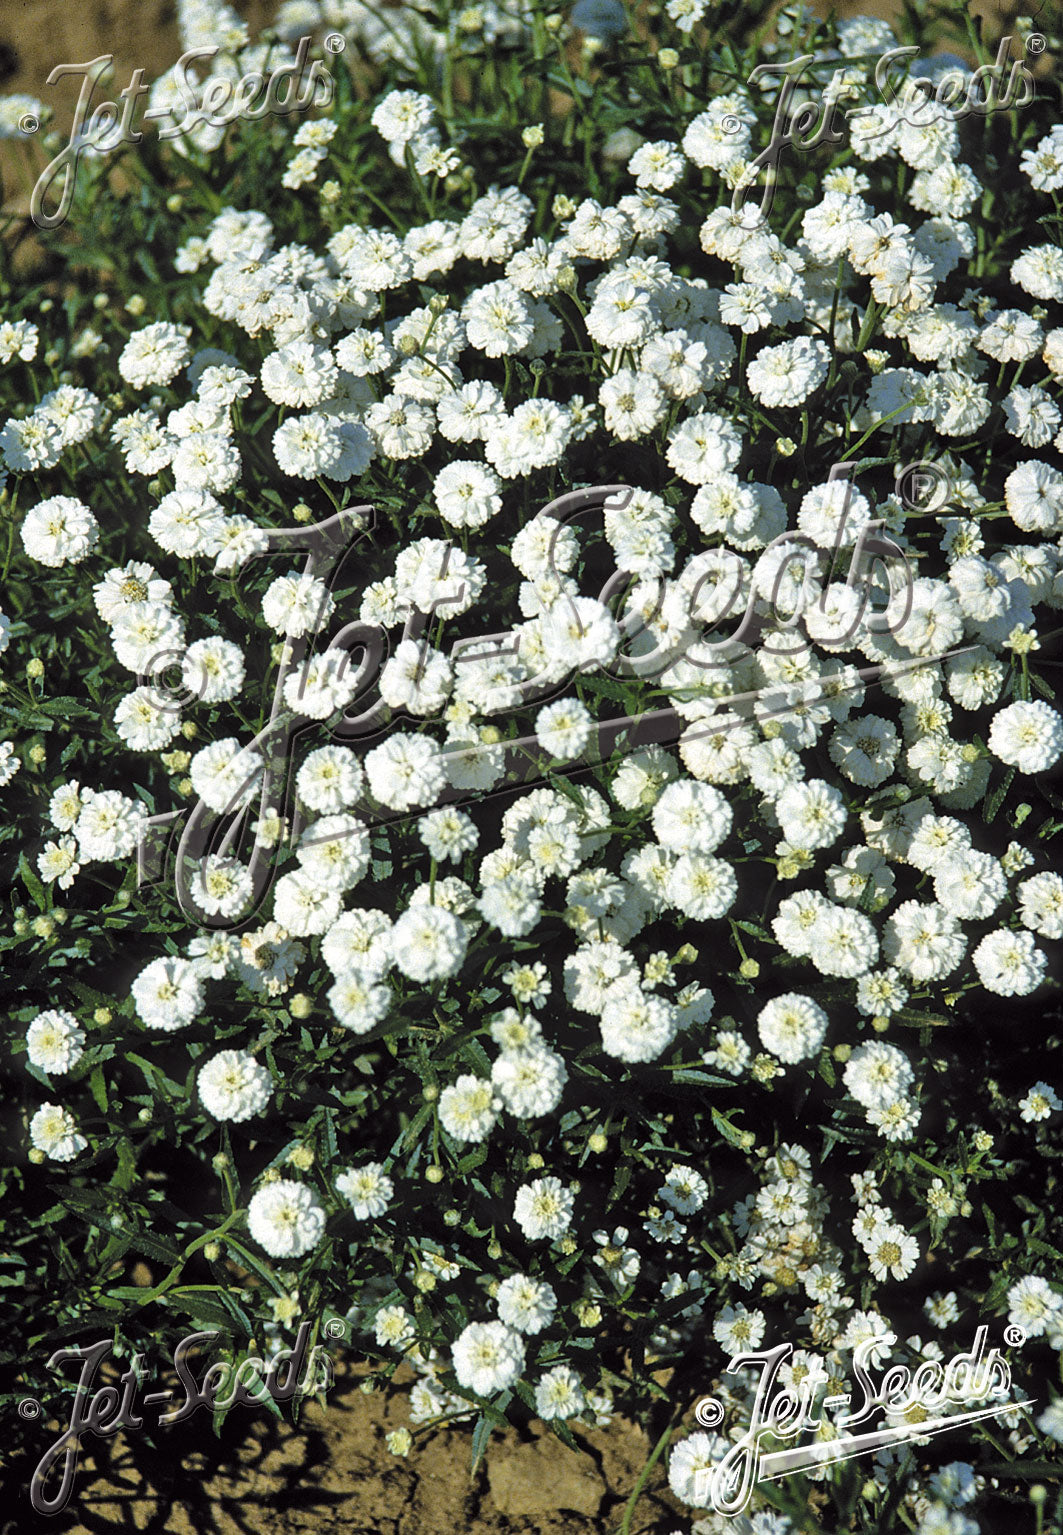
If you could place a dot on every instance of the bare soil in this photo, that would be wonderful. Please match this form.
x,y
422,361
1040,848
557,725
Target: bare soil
x,y
334,1472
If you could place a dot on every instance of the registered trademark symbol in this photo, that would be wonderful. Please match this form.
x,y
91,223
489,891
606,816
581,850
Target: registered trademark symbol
x,y
335,43
1036,42
1014,1336
923,486
29,1407
335,1327
29,122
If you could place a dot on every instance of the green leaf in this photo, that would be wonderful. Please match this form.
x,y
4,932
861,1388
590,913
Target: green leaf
x,y
480,1436
32,883
98,1088
993,801
726,1129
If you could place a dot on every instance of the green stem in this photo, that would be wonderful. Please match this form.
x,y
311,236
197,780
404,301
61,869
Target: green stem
x,y
644,1476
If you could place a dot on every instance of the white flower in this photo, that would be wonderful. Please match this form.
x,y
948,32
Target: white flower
x,y
1028,736
636,1026
530,1081
877,1074
559,1393
60,530
295,605
285,1218
108,826
54,1041
357,999
213,669
812,814
543,1209
154,355
792,1026
1041,1102
488,1357
526,1304
330,779
368,1188
233,1086
891,1251
405,771
691,1465
303,905
468,1109
428,943
737,1329
564,728
58,861
1041,904
691,817
168,993
1009,964
789,373
702,446
924,940
225,775
54,1131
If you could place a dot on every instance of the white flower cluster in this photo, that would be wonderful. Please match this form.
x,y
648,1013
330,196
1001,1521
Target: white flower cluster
x,y
811,755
